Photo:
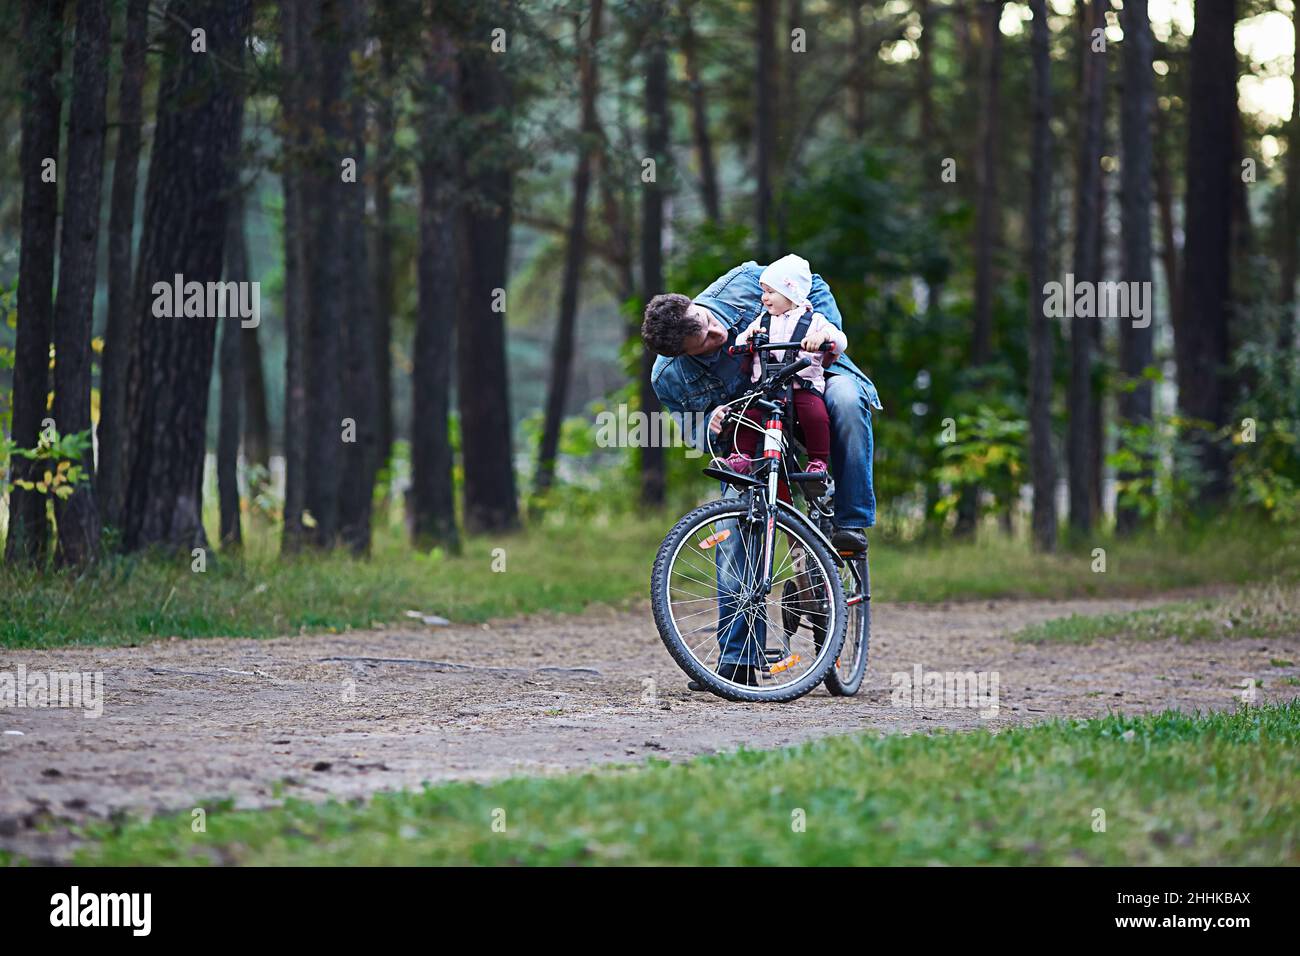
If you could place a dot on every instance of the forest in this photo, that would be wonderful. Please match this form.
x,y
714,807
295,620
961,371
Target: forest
x,y
1063,237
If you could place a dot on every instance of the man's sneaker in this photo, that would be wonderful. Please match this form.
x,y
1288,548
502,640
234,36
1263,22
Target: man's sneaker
x,y
735,461
742,674
849,539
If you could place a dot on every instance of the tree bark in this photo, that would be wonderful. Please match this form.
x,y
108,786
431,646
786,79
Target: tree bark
x,y
232,381
1290,239
296,20
329,250
700,121
1087,223
574,255
925,73
433,508
765,108
385,148
1042,462
482,372
652,225
1137,345
74,312
190,176
120,328
1204,378
42,50
360,389
257,425
1168,244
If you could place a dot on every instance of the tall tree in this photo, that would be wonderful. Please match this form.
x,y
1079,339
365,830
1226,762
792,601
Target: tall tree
x,y
329,248
1042,461
42,52
297,19
1137,345
256,419
986,223
765,108
120,327
230,397
652,227
575,251
360,392
1290,218
432,497
74,312
382,232
1202,342
486,101
700,118
190,175
1087,223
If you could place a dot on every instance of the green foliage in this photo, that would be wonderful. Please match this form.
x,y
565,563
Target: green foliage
x,y
988,452
1158,471
59,463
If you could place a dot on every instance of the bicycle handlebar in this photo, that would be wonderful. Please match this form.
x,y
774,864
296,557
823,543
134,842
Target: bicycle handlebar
x,y
750,348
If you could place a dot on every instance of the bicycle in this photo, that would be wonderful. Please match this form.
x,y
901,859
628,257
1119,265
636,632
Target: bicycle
x,y
813,589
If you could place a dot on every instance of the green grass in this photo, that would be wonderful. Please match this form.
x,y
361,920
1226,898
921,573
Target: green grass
x,y
1216,789
1255,612
564,568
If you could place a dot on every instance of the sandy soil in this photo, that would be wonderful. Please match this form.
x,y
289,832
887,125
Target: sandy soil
x,y
188,722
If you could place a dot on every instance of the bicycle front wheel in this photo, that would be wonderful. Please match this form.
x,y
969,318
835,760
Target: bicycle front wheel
x,y
741,645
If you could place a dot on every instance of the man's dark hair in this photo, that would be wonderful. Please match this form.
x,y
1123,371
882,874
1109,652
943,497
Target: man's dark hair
x,y
667,323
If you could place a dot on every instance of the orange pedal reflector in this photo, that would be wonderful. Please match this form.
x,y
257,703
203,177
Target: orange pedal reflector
x,y
784,665
716,538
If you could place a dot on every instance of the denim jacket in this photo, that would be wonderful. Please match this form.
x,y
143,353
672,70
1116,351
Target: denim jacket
x,y
685,386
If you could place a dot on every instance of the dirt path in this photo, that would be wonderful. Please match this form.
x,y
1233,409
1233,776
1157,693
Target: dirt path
x,y
188,722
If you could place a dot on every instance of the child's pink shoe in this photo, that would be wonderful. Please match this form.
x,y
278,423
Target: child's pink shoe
x,y
816,466
736,461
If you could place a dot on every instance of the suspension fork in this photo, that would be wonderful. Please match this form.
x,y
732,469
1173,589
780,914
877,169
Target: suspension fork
x,y
773,449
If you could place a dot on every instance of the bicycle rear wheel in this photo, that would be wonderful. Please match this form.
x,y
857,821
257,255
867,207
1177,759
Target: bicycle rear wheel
x,y
845,676
709,619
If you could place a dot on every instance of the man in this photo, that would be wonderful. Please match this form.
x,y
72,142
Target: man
x,y
694,375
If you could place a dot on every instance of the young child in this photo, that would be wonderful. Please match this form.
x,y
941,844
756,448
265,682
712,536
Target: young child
x,y
786,284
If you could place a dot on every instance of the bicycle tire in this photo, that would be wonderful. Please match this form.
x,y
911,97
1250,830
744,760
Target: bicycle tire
x,y
671,637
858,618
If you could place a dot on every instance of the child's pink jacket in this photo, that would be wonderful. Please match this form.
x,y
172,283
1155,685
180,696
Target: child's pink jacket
x,y
781,327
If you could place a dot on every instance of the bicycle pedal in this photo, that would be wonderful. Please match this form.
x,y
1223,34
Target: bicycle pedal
x,y
784,665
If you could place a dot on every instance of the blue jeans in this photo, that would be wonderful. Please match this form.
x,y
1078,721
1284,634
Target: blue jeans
x,y
855,507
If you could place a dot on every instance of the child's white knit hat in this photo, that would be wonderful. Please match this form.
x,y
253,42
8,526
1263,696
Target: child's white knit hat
x,y
791,276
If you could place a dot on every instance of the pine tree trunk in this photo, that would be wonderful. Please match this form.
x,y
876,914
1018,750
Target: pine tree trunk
x,y
296,21
1204,378
1042,462
360,392
765,109
120,330
190,177
1087,223
1290,252
652,225
1137,345
74,312
709,193
232,381
482,372
432,501
385,127
42,50
328,271
574,256
257,424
